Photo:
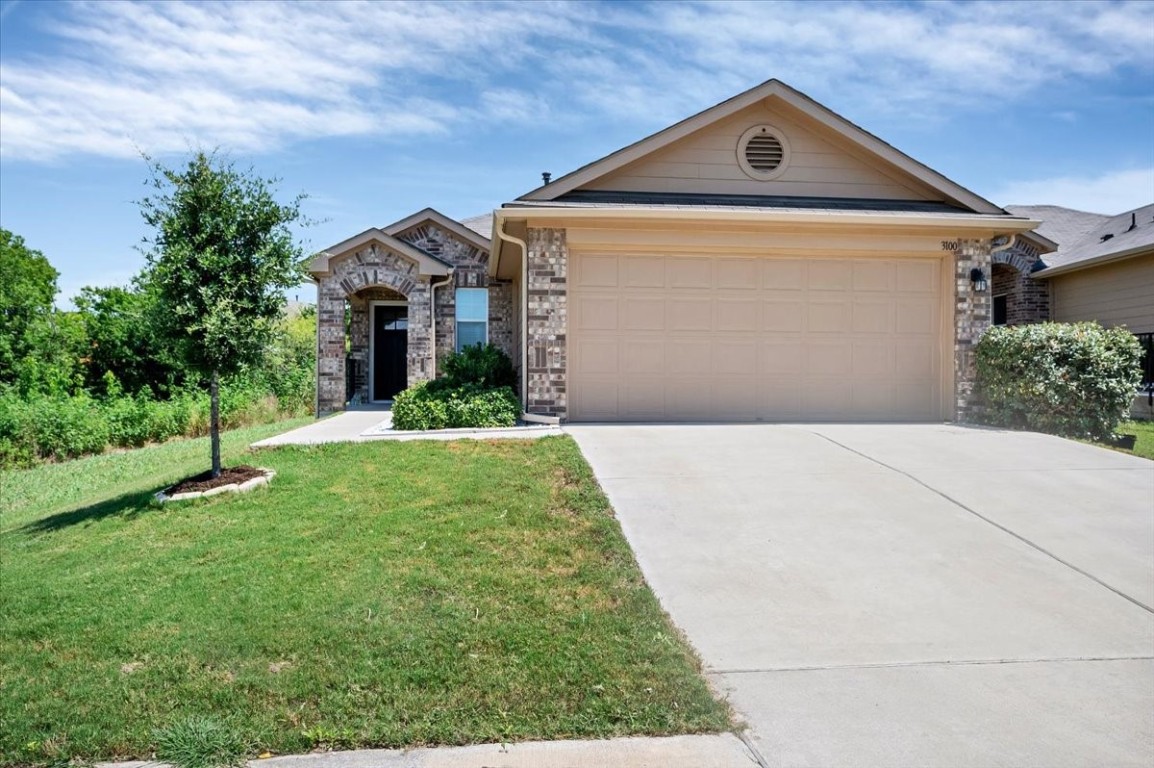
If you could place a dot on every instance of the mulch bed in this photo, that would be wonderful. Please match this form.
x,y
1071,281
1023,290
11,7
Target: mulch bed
x,y
206,482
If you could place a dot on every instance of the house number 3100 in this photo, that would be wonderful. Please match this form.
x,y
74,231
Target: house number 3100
x,y
951,245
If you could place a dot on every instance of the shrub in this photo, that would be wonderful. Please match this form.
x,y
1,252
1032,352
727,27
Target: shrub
x,y
486,367
423,406
1076,380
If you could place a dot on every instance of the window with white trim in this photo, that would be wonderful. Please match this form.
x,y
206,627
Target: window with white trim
x,y
472,317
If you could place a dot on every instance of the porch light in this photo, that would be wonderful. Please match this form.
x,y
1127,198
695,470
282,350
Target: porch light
x,y
978,279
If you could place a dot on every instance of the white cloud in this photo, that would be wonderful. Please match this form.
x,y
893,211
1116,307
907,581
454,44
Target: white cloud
x,y
258,76
1110,193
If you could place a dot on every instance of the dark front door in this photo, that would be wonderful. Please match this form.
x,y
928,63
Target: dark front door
x,y
390,348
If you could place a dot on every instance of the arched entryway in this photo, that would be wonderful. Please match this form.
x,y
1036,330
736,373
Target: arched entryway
x,y
1018,299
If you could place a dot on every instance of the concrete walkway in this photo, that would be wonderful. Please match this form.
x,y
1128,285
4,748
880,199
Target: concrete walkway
x,y
902,595
714,751
367,424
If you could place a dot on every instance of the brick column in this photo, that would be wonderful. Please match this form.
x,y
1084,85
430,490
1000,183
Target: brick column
x,y
419,359
545,334
972,316
330,348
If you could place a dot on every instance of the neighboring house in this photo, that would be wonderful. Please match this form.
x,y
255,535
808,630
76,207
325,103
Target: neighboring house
x,y
765,259
1102,270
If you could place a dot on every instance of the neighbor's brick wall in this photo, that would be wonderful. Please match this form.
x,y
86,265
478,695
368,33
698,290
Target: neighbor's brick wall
x,y
547,288
972,316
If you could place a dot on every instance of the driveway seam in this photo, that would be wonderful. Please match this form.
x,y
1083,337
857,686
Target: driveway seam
x,y
997,525
936,663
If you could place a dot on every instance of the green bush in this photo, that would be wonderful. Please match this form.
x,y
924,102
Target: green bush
x,y
423,406
1075,380
486,367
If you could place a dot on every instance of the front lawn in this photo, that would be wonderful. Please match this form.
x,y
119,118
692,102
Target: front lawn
x,y
378,594
1144,446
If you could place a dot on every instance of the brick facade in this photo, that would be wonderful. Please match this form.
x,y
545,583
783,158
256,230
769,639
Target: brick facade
x,y
547,294
972,316
1027,300
376,273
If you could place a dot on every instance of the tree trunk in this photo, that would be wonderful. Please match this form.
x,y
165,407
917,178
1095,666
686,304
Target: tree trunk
x,y
214,422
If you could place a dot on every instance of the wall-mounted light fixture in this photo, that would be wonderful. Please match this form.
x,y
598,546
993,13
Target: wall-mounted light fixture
x,y
978,279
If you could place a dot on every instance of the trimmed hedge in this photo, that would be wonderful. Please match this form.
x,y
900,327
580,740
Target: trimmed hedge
x,y
1074,380
423,406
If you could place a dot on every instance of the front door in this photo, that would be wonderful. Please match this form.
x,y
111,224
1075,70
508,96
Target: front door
x,y
390,349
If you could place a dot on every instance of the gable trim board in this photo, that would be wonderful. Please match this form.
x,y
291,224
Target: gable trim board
x,y
427,263
772,91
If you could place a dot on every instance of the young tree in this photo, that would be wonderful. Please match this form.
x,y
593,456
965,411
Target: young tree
x,y
221,255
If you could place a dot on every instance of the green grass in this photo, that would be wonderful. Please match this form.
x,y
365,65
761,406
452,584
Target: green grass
x,y
378,594
117,477
1144,446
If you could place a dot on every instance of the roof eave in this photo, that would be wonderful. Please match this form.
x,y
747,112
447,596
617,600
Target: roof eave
x,y
975,221
1146,249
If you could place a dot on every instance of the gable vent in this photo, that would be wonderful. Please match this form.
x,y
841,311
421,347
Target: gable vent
x,y
763,152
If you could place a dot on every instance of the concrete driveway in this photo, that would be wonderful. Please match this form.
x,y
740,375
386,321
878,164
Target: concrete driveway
x,y
890,595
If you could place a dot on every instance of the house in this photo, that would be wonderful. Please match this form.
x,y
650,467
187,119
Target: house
x,y
765,259
1102,270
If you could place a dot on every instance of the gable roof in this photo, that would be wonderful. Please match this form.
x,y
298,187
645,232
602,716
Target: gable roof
x,y
427,263
799,101
1086,239
467,234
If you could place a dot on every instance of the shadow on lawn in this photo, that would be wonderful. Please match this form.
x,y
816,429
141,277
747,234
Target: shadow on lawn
x,y
127,506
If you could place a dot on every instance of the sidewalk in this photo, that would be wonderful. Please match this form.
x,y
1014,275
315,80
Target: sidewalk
x,y
711,751
358,426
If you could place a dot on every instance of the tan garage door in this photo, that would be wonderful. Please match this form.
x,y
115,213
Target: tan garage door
x,y
743,339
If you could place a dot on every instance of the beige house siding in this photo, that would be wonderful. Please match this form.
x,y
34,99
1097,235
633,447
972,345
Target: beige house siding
x,y
1120,293
819,165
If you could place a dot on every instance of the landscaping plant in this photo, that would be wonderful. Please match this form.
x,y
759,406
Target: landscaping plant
x,y
476,389
222,253
1074,380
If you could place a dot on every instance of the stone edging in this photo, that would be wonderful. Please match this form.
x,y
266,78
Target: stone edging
x,y
247,485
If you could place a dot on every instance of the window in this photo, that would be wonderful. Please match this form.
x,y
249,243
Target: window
x,y
999,310
472,317
1147,342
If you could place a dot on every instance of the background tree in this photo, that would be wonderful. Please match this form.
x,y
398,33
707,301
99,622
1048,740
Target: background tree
x,y
221,255
27,291
125,351
40,347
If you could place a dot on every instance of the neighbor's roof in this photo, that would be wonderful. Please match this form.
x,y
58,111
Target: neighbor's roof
x,y
482,225
1085,239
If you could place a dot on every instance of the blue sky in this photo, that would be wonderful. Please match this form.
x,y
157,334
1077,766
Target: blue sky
x,y
378,110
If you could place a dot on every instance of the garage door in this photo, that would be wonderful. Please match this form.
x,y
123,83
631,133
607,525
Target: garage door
x,y
678,338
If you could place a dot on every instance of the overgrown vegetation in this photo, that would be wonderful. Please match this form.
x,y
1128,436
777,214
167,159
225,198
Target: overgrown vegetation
x,y
1075,380
78,382
476,389
475,592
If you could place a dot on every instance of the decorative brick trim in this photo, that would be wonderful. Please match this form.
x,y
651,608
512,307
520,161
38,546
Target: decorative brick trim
x,y
547,295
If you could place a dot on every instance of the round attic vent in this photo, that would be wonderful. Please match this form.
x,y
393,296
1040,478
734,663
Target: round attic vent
x,y
762,152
